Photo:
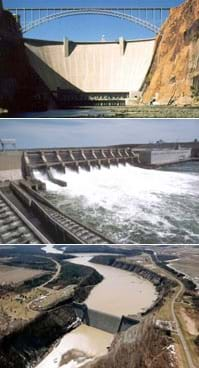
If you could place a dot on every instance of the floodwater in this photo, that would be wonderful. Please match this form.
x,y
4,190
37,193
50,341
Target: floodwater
x,y
131,205
120,293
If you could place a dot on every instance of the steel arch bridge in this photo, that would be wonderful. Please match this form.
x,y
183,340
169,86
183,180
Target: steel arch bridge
x,y
149,18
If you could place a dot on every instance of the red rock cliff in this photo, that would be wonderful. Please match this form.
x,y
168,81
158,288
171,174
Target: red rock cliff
x,y
175,68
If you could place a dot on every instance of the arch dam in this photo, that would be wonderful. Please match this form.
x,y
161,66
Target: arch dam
x,y
103,321
92,73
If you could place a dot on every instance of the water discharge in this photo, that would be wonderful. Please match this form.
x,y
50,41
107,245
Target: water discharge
x,y
130,204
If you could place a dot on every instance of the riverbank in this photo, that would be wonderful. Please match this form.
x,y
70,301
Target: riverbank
x,y
162,284
137,111
27,334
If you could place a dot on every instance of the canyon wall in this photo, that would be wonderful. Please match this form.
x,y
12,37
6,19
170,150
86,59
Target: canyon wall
x,y
20,87
30,342
174,74
141,346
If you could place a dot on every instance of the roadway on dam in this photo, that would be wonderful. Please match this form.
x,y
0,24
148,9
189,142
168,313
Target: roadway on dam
x,y
120,293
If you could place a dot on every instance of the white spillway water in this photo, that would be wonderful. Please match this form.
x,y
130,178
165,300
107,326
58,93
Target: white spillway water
x,y
131,204
50,248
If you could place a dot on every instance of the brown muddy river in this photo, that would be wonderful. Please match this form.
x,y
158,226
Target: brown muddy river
x,y
120,293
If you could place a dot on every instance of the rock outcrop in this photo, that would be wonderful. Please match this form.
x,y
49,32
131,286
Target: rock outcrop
x,y
20,87
174,74
30,342
141,346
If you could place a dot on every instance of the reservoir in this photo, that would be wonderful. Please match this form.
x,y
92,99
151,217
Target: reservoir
x,y
121,292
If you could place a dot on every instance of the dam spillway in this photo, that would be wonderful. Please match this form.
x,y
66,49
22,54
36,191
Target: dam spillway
x,y
34,179
30,206
77,158
107,69
103,321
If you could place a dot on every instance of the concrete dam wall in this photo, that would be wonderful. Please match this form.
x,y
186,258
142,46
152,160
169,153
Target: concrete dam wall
x,y
10,165
165,156
97,67
103,321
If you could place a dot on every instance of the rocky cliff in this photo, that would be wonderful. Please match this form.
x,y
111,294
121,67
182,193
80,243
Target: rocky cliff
x,y
20,87
141,346
30,342
174,74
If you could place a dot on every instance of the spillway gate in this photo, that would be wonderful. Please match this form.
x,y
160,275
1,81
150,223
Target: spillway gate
x,y
77,158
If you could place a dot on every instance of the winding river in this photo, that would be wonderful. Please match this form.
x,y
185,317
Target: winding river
x,y
120,293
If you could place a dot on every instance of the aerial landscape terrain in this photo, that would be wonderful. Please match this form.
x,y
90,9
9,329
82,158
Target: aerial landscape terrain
x,y
49,310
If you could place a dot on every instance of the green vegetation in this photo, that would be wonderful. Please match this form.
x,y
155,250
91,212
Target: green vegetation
x,y
195,92
30,261
33,283
72,274
157,112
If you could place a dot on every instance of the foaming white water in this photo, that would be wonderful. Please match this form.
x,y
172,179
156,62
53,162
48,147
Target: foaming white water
x,y
123,181
129,195
49,248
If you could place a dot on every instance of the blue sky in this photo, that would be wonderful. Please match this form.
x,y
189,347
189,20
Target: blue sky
x,y
34,133
92,27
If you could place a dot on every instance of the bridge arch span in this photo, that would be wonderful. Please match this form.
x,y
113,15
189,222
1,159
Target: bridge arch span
x,y
102,12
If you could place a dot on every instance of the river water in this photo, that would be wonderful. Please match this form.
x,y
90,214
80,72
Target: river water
x,y
68,113
79,346
133,205
120,293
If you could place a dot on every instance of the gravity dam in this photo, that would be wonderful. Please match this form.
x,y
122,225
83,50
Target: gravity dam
x,y
92,70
